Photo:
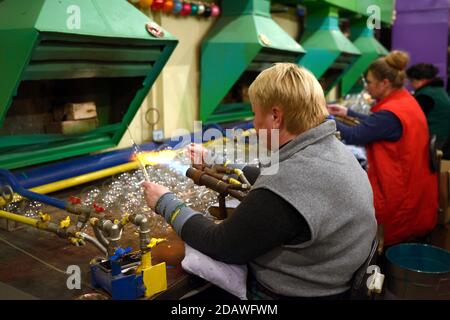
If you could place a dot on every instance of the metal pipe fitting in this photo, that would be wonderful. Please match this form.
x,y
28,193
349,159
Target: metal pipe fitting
x,y
113,234
100,237
95,242
202,179
143,224
113,231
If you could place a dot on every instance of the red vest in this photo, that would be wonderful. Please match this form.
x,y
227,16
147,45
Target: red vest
x,y
405,190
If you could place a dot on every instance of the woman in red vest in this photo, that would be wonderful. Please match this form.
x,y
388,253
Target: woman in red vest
x,y
396,139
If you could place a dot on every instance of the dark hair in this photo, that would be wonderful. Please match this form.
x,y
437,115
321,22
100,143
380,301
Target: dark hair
x,y
422,71
391,67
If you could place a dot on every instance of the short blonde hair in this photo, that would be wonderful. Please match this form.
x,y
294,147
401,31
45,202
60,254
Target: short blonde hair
x,y
295,90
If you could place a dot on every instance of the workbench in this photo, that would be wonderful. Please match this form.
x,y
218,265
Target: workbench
x,y
34,262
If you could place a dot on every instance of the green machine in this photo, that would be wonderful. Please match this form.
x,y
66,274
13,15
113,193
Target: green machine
x,y
384,8
362,15
332,56
63,53
329,52
371,49
243,42
363,38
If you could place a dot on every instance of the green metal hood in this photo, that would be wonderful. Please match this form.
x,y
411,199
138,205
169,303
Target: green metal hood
x,y
361,7
329,52
71,51
363,38
245,38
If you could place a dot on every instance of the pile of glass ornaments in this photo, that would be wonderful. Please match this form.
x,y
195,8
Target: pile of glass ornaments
x,y
124,194
360,102
239,147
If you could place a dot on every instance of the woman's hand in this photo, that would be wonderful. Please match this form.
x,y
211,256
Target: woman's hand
x,y
337,110
152,193
197,153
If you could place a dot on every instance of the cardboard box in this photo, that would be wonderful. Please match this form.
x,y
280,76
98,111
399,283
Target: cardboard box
x,y
76,111
444,192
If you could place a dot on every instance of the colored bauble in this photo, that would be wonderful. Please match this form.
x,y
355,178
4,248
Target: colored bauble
x,y
201,9
194,9
215,10
168,6
186,9
177,6
145,3
207,12
157,5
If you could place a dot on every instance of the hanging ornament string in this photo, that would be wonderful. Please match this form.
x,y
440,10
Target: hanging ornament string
x,y
180,7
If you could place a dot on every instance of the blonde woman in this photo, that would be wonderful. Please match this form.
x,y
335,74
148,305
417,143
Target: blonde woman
x,y
306,229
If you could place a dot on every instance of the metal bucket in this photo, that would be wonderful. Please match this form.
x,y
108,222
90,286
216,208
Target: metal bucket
x,y
418,271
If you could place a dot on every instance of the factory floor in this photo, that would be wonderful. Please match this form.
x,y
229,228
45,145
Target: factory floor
x,y
33,264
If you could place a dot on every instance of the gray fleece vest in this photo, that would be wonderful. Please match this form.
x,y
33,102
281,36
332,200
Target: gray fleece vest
x,y
322,179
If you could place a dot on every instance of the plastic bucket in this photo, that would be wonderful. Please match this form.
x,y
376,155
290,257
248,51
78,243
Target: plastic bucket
x,y
418,271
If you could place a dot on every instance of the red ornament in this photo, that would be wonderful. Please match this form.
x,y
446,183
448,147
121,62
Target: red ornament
x,y
98,209
215,10
74,200
168,6
157,5
186,9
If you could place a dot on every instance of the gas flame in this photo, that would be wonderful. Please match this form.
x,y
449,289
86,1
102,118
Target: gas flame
x,y
152,158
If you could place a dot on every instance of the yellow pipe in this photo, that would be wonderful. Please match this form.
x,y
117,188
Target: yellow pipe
x,y
75,181
19,218
43,225
84,178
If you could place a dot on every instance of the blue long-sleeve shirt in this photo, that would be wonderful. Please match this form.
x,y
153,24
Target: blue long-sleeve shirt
x,y
381,125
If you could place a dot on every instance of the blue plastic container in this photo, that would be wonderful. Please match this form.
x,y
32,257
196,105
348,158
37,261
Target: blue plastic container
x,y
418,271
